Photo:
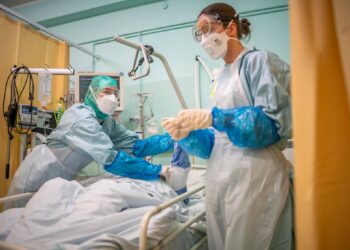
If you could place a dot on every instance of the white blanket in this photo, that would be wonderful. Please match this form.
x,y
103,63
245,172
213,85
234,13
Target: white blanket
x,y
65,215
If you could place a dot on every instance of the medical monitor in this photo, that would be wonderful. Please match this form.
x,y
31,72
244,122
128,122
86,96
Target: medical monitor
x,y
83,80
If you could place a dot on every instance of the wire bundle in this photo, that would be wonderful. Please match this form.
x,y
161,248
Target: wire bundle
x,y
11,114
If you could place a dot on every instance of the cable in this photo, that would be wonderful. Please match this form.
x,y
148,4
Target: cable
x,y
15,96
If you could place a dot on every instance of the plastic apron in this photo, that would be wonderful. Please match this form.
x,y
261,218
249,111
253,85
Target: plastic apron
x,y
42,165
246,189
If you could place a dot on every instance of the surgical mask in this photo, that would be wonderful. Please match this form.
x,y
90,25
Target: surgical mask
x,y
215,44
107,104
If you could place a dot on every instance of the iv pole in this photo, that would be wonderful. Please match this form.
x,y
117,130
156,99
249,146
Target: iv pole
x,y
199,61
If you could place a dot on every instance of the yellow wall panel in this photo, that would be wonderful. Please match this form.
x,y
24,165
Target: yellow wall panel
x,y
20,44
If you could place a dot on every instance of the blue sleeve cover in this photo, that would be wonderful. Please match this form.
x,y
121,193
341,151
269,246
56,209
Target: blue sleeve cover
x,y
153,145
247,127
180,158
135,168
199,143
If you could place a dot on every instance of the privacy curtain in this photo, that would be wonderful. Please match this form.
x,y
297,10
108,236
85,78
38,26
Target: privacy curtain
x,y
320,57
20,44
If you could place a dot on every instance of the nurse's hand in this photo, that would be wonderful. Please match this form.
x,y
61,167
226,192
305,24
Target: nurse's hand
x,y
172,126
193,119
186,121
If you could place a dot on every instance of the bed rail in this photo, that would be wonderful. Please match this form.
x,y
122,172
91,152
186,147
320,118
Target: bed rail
x,y
16,197
147,217
10,246
196,166
200,243
144,224
175,233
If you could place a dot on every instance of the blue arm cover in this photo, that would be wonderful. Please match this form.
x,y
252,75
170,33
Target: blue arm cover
x,y
180,158
136,168
247,127
153,145
199,143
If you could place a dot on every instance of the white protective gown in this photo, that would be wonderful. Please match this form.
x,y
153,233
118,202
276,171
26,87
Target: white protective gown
x,y
246,189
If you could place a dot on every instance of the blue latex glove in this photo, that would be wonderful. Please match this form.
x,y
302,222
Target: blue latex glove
x,y
153,145
199,143
246,126
135,168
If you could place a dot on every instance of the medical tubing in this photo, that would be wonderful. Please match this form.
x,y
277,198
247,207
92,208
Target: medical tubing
x,y
11,114
15,96
246,127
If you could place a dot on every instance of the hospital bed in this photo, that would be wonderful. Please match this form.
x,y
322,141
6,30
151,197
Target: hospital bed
x,y
187,234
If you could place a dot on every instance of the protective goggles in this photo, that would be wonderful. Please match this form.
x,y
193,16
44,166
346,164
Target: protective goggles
x,y
207,25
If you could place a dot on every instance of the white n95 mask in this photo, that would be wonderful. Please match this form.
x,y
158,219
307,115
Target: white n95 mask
x,y
215,44
107,104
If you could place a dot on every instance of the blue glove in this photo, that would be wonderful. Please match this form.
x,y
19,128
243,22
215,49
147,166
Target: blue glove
x,y
153,145
247,127
199,143
135,168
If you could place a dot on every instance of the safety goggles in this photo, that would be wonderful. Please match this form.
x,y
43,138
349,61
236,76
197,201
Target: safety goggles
x,y
207,25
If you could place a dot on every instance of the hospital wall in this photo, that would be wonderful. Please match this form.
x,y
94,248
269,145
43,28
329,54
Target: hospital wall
x,y
168,30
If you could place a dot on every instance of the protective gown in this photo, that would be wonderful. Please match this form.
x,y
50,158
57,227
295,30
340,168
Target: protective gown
x,y
79,139
247,183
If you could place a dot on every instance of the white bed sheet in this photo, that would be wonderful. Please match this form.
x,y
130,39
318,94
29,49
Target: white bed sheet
x,y
66,215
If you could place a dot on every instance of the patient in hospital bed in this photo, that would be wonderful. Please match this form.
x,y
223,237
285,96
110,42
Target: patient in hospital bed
x,y
103,211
